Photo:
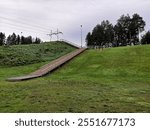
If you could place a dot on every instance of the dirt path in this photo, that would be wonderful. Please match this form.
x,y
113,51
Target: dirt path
x,y
48,67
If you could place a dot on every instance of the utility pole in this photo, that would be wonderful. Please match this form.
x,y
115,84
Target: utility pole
x,y
21,38
81,35
139,35
50,35
57,34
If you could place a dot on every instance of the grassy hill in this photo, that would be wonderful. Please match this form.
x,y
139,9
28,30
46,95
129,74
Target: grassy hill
x,y
112,80
34,53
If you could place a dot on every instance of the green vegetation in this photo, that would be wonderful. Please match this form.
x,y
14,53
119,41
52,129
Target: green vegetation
x,y
112,80
17,55
17,40
124,32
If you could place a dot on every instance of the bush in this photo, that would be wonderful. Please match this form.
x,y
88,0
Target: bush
x,y
28,54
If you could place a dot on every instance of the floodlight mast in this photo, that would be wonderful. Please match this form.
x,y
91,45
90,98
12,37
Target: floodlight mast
x,y
81,35
21,38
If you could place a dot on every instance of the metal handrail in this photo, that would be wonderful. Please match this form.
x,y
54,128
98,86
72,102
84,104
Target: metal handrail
x,y
71,43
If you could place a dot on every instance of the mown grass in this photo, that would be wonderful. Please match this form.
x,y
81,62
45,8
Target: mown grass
x,y
18,55
112,80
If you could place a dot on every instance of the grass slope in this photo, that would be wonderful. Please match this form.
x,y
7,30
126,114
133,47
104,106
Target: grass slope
x,y
34,53
113,80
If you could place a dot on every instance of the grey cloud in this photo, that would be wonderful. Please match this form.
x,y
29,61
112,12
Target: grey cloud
x,y
68,15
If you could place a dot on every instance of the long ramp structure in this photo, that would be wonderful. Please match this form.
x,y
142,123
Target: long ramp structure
x,y
48,67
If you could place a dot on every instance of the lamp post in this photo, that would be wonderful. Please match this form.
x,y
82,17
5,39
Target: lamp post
x,y
51,35
139,35
81,35
21,38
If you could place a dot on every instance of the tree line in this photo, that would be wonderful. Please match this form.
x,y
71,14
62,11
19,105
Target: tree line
x,y
126,32
17,39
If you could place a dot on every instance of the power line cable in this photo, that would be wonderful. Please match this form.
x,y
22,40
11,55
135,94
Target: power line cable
x,y
23,18
24,23
22,29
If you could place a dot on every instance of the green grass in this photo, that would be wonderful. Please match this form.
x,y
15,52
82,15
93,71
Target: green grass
x,y
112,80
18,55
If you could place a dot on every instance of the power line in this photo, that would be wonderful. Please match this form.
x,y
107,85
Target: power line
x,y
20,21
22,29
24,23
23,26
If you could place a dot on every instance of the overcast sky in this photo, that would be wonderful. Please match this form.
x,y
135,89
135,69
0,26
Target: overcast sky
x,y
39,17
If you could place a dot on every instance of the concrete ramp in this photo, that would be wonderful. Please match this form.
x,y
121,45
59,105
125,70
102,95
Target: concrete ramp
x,y
48,67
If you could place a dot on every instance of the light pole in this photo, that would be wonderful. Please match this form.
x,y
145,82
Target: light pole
x,y
21,38
139,35
81,35
51,35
